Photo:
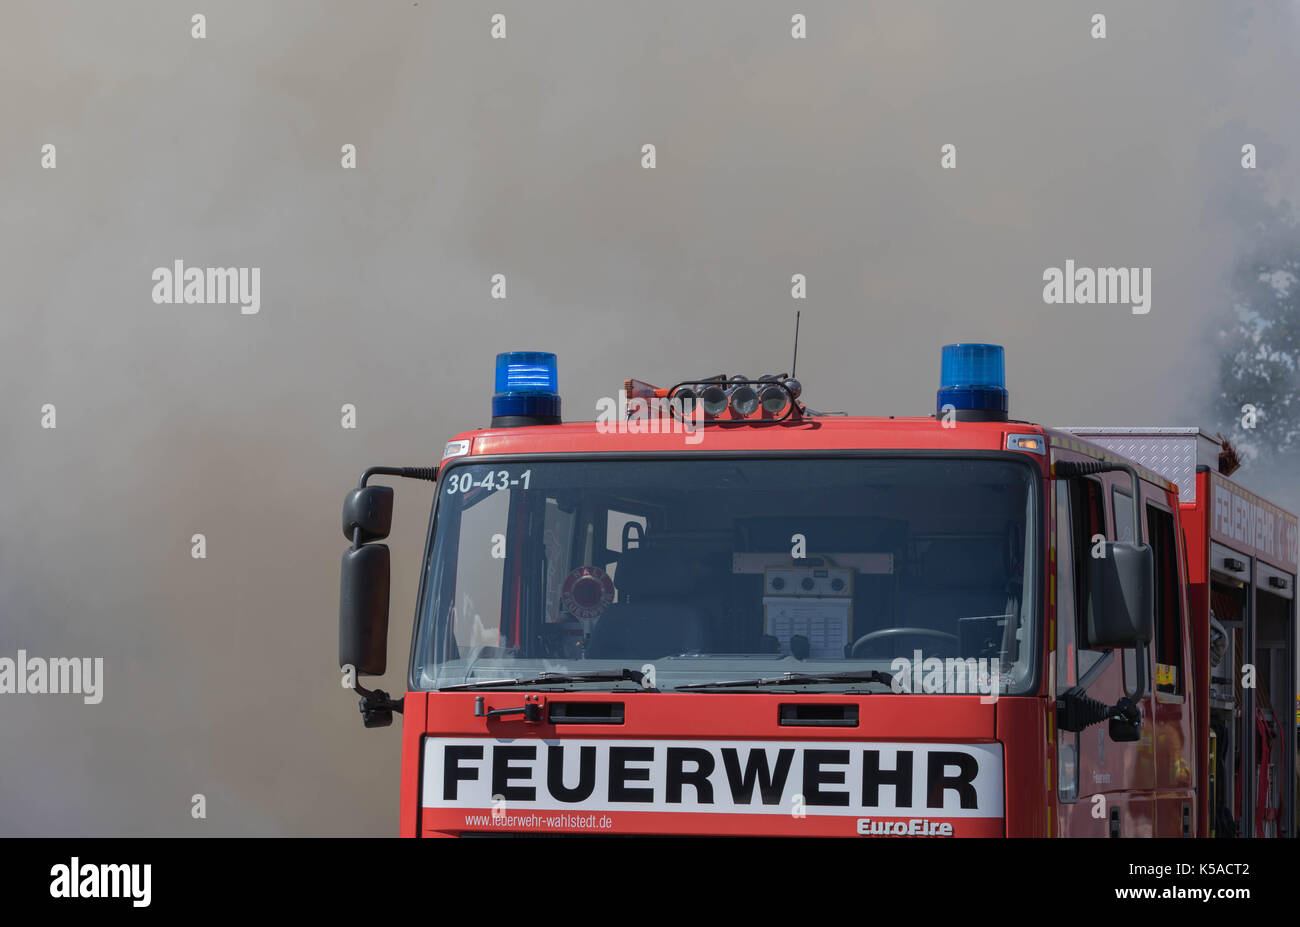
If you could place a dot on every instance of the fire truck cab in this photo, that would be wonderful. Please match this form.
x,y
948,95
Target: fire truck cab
x,y
715,610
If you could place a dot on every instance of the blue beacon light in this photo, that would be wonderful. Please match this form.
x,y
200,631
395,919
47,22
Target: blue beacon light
x,y
973,381
526,390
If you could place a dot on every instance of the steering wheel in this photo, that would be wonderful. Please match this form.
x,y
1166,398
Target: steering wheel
x,y
888,634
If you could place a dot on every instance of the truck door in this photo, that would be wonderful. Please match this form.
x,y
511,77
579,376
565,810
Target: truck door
x,y
1139,763
1104,788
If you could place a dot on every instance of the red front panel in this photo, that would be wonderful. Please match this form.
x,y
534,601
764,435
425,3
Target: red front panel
x,y
413,727
1023,727
913,765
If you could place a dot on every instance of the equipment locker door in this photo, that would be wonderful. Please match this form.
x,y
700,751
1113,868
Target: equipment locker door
x,y
1171,684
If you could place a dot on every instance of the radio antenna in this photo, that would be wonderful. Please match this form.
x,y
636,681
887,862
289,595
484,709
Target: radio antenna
x,y
795,360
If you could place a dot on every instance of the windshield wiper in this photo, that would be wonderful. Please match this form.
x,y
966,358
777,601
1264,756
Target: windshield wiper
x,y
623,675
789,679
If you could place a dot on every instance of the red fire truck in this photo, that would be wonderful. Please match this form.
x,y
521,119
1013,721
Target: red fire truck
x,y
715,610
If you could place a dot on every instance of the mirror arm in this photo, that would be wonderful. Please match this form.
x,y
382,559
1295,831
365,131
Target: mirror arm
x,y
377,707
1076,710
413,473
1070,469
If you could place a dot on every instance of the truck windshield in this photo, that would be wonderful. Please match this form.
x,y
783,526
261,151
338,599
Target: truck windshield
x,y
712,570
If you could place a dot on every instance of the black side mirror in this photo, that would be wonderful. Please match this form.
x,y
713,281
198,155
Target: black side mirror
x,y
369,509
363,587
363,609
1121,596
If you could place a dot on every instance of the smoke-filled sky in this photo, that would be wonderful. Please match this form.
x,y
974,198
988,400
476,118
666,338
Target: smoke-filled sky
x,y
522,156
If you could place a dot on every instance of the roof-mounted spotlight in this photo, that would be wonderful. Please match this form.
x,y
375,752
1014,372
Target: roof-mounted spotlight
x,y
772,395
714,399
686,399
744,401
